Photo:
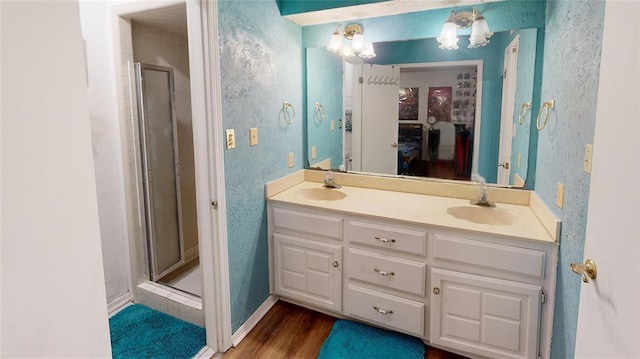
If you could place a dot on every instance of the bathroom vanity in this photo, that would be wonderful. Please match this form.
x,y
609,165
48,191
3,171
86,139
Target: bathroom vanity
x,y
477,281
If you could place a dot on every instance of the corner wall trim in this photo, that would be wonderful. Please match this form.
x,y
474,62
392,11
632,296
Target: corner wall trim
x,y
251,322
117,304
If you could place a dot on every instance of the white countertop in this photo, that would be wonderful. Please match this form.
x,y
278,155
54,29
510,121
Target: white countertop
x,y
415,208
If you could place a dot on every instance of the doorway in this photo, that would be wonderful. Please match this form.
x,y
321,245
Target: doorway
x,y
198,20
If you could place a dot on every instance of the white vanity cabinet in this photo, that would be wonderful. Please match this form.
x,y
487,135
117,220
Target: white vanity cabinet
x,y
477,294
487,298
307,258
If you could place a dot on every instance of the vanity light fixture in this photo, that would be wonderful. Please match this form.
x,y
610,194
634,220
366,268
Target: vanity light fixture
x,y
356,46
480,32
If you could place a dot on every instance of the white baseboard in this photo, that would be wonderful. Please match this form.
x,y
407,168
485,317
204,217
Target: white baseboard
x,y
207,353
251,322
119,303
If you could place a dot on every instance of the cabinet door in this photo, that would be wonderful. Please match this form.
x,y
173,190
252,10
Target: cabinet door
x,y
485,316
308,271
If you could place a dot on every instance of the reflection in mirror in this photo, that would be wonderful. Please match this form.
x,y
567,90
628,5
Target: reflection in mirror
x,y
418,110
324,71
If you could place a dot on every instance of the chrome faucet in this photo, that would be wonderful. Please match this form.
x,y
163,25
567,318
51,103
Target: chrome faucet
x,y
330,182
483,197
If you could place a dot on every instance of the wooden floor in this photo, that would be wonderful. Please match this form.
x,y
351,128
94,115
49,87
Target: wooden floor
x,y
289,331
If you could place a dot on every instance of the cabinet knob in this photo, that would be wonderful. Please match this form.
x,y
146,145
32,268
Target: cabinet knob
x,y
335,264
436,290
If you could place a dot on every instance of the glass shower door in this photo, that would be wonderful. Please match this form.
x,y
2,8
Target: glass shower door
x,y
158,138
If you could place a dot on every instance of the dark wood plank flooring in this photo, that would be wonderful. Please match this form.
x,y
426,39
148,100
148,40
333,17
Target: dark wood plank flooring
x,y
290,331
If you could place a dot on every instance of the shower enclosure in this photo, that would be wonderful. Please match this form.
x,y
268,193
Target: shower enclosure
x,y
160,170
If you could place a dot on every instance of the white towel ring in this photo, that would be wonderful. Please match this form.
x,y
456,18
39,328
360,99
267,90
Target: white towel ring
x,y
285,113
319,112
548,106
523,112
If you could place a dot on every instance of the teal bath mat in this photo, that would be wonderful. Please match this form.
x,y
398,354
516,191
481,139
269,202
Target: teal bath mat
x,y
141,332
351,340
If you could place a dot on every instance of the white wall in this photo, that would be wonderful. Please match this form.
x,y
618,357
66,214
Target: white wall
x,y
53,289
105,133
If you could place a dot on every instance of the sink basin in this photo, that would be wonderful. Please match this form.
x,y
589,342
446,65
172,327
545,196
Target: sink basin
x,y
322,194
483,215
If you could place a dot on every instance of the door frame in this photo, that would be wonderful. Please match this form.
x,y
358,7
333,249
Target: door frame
x,y
478,116
206,103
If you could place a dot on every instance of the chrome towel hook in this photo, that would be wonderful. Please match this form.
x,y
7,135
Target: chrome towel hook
x,y
289,119
319,112
548,106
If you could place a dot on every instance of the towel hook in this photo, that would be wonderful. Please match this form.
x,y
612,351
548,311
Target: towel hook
x,y
288,119
523,112
548,106
319,112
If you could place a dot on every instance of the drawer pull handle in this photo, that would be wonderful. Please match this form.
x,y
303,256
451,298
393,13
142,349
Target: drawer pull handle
x,y
382,311
335,264
385,240
383,273
436,290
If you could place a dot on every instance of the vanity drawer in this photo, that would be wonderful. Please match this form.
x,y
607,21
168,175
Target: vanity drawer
x,y
386,310
391,272
310,223
389,237
510,259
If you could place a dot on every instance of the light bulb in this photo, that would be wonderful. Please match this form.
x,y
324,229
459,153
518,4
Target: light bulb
x,y
335,44
358,42
367,52
448,38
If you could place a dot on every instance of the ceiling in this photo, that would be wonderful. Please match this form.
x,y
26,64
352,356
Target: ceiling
x,y
392,7
172,19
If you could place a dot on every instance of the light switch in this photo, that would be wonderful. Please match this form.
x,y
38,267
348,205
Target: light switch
x,y
253,136
519,159
560,195
290,160
588,158
231,139
313,152
332,125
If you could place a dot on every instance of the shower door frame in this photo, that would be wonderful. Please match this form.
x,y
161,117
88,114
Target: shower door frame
x,y
151,245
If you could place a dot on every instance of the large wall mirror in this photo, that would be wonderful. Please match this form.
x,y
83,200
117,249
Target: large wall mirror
x,y
421,111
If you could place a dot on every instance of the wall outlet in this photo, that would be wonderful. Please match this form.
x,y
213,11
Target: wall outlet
x,y
253,136
290,159
313,152
332,125
231,139
560,195
588,158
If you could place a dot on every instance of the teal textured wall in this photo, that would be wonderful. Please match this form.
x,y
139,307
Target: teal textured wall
x,y
324,71
261,66
573,41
